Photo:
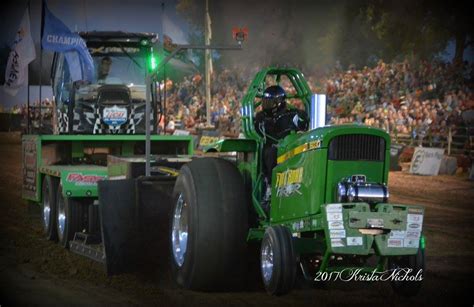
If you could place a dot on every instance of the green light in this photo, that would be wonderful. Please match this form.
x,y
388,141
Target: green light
x,y
144,42
153,63
422,242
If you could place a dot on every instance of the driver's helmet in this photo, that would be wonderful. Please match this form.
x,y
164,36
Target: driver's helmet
x,y
274,99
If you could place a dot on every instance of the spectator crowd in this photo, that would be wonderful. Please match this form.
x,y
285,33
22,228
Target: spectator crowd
x,y
416,99
420,99
411,98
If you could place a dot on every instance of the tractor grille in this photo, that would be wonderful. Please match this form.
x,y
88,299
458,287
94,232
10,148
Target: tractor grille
x,y
357,147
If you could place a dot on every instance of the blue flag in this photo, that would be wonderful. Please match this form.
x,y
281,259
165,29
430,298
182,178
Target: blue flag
x,y
56,36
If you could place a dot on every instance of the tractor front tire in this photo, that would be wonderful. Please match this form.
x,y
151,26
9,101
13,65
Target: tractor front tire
x,y
70,217
209,225
278,260
49,208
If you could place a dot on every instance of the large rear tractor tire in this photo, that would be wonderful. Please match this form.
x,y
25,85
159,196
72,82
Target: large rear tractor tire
x,y
49,192
69,218
209,225
278,260
415,263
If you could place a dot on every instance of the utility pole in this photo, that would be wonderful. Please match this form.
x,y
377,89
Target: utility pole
x,y
153,77
207,62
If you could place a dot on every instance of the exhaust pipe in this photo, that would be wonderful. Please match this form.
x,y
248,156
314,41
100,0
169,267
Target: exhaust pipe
x,y
318,111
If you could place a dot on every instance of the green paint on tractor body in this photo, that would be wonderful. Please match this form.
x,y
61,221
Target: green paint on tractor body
x,y
310,165
72,159
77,180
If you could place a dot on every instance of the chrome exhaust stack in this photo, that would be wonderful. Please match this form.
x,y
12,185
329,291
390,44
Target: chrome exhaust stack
x,y
318,111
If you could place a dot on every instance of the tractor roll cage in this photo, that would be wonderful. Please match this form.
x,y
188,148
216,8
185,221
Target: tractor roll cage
x,y
256,88
250,104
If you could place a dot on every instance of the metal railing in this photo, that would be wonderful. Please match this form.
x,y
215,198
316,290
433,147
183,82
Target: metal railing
x,y
460,140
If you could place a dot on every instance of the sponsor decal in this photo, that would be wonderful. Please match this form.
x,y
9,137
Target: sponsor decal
x,y
399,234
395,243
334,217
337,242
354,241
314,144
114,116
207,140
301,224
413,234
337,234
415,218
289,182
298,150
30,168
426,161
336,225
30,158
411,243
296,226
108,50
417,161
80,179
334,208
414,226
409,238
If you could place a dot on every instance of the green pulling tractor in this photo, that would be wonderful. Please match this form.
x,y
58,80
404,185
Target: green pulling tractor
x,y
328,212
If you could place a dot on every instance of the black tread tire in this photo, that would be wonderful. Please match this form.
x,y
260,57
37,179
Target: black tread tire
x,y
74,211
48,192
284,260
415,262
215,258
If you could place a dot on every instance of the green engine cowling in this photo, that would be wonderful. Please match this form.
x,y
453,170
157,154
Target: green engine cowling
x,y
334,179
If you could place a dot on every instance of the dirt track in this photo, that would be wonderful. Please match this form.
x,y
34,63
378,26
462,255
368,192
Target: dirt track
x,y
36,271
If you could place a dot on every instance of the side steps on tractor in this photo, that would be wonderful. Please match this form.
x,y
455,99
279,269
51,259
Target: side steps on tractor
x,y
89,242
89,246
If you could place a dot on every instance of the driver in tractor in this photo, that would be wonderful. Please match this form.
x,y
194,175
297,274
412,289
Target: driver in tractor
x,y
104,69
275,121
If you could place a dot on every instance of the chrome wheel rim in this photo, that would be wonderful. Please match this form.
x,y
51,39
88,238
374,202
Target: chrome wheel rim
x,y
179,232
46,209
61,216
266,263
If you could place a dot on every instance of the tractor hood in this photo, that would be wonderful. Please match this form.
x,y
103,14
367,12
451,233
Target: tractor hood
x,y
311,166
296,143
